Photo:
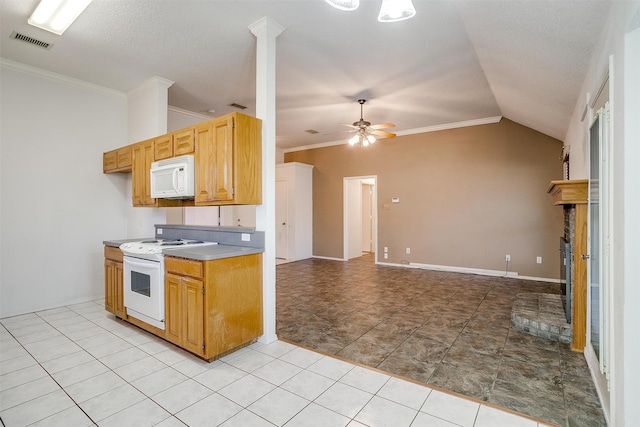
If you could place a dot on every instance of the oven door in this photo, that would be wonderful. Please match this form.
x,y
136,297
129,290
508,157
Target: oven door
x,y
144,290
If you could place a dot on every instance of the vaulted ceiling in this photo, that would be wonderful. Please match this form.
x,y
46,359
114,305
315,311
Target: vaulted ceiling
x,y
455,61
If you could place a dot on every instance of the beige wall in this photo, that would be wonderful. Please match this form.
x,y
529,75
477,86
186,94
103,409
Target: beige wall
x,y
468,197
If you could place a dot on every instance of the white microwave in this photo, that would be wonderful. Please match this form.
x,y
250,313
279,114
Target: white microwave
x,y
173,178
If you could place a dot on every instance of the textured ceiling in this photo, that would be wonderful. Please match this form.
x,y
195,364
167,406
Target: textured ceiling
x,y
454,61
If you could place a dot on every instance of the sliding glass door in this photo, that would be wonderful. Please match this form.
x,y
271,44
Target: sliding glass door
x,y
597,348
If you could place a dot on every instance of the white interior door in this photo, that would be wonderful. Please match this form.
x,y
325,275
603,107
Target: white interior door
x,y
367,218
282,222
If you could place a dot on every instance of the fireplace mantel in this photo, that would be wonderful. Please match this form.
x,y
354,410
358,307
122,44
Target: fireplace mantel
x,y
573,192
574,195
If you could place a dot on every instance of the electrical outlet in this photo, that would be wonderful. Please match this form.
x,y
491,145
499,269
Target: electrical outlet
x,y
386,256
539,260
507,257
386,249
408,250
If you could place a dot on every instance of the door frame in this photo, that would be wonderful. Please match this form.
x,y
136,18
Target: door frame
x,y
345,216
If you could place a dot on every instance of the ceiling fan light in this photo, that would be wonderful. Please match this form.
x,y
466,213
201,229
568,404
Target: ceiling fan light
x,y
353,140
371,139
396,10
348,5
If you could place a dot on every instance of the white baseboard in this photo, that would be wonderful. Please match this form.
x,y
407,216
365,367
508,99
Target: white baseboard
x,y
329,258
467,270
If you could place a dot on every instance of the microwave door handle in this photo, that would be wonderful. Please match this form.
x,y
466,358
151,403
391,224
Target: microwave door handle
x,y
175,179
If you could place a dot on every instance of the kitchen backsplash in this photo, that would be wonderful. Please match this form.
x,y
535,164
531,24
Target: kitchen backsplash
x,y
236,236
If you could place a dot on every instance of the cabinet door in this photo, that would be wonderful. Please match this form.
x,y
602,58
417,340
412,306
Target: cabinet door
x,y
223,142
204,164
142,154
109,161
138,168
109,285
124,157
184,141
172,312
163,147
118,285
193,314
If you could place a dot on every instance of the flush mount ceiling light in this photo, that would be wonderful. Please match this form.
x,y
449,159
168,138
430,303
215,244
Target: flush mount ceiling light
x,y
396,10
347,5
390,11
57,15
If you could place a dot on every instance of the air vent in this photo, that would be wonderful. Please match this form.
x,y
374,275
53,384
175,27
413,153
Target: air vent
x,y
311,131
233,104
31,40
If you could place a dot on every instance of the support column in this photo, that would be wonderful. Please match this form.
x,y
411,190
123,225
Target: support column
x,y
266,30
147,113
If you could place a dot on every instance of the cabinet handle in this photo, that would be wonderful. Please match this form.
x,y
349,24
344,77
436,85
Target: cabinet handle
x,y
586,256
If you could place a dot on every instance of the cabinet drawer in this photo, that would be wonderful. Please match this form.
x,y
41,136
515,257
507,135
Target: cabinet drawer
x,y
183,267
112,253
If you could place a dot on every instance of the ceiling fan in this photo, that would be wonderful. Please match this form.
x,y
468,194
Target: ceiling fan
x,y
366,133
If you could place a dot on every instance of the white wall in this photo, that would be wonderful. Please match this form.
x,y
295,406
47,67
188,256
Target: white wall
x,y
625,375
56,204
177,118
148,115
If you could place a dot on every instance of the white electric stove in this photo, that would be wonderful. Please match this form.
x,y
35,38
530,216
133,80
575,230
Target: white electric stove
x,y
144,277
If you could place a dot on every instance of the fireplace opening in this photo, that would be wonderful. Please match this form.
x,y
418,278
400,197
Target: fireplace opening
x,y
566,251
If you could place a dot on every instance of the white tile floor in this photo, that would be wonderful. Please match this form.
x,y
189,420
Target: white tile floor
x,y
79,366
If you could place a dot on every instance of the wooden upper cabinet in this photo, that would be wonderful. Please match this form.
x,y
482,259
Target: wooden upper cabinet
x,y
175,144
141,175
163,147
224,167
143,154
184,141
228,161
118,160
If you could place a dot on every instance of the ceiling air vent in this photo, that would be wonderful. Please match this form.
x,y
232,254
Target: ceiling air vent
x,y
31,40
311,131
233,104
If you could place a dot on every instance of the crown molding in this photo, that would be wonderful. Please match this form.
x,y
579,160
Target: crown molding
x,y
189,113
436,128
49,75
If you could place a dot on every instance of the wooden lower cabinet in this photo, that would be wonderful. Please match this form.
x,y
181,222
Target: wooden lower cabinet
x,y
213,307
114,282
184,312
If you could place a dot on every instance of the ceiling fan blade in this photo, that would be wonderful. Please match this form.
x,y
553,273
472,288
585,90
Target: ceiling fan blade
x,y
383,126
383,134
351,126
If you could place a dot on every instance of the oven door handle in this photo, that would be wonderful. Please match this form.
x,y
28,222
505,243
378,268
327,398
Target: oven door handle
x,y
143,264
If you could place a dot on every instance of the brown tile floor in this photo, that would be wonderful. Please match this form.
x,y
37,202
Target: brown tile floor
x,y
449,330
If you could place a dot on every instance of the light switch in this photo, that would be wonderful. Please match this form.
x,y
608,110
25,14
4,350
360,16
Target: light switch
x,y
395,200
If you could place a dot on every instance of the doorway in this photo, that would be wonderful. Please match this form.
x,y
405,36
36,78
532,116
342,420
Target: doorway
x,y
360,216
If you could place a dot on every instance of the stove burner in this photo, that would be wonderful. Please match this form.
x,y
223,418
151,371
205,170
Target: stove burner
x,y
149,241
193,242
172,243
